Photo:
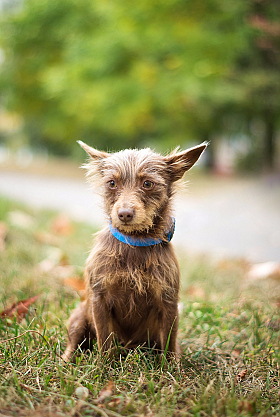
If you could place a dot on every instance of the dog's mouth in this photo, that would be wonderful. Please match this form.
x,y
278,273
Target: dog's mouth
x,y
130,219
135,226
129,228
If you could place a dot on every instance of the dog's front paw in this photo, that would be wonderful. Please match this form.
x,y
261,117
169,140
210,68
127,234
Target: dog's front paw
x,y
68,355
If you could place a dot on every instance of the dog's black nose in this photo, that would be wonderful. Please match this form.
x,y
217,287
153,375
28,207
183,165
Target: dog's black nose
x,y
125,214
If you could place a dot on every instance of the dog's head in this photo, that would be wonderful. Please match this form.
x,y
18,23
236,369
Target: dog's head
x,y
137,184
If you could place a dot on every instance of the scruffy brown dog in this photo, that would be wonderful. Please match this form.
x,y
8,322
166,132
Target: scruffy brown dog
x,y
132,275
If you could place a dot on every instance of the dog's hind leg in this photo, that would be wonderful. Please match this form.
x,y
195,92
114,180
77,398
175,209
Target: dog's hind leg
x,y
80,332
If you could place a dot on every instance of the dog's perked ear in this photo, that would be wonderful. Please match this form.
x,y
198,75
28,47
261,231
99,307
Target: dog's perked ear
x,y
180,162
93,153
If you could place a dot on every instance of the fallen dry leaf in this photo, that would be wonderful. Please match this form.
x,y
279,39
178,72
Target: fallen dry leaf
x,y
19,309
77,284
47,238
54,255
231,264
56,270
64,261
246,406
62,225
241,376
235,354
196,292
3,234
114,402
63,271
106,392
56,263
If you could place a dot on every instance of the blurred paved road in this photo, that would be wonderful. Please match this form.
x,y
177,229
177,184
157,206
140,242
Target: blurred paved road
x,y
222,217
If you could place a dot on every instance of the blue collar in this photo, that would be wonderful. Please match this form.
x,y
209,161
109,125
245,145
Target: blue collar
x,y
129,240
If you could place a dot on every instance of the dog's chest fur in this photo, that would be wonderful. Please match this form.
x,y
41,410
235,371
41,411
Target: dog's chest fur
x,y
136,283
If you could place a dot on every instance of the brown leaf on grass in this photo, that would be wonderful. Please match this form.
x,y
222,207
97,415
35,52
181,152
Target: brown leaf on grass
x,y
246,406
196,292
114,403
24,386
235,354
62,225
241,376
226,265
53,258
64,261
56,263
3,235
19,309
47,238
106,392
77,284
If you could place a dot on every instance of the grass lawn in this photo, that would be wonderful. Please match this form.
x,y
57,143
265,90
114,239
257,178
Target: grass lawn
x,y
229,332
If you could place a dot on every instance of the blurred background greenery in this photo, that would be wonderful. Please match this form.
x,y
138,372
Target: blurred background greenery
x,y
153,73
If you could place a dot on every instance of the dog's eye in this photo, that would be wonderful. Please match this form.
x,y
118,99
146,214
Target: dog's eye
x,y
112,184
148,185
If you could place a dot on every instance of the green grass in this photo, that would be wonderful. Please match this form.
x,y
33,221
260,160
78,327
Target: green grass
x,y
226,326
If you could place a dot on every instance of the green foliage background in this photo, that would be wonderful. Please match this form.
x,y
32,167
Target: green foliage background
x,y
163,73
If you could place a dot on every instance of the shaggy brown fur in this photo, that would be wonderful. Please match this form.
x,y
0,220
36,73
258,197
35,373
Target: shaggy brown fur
x,y
132,292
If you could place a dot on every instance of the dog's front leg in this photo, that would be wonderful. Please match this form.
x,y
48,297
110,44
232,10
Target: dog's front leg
x,y
103,324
